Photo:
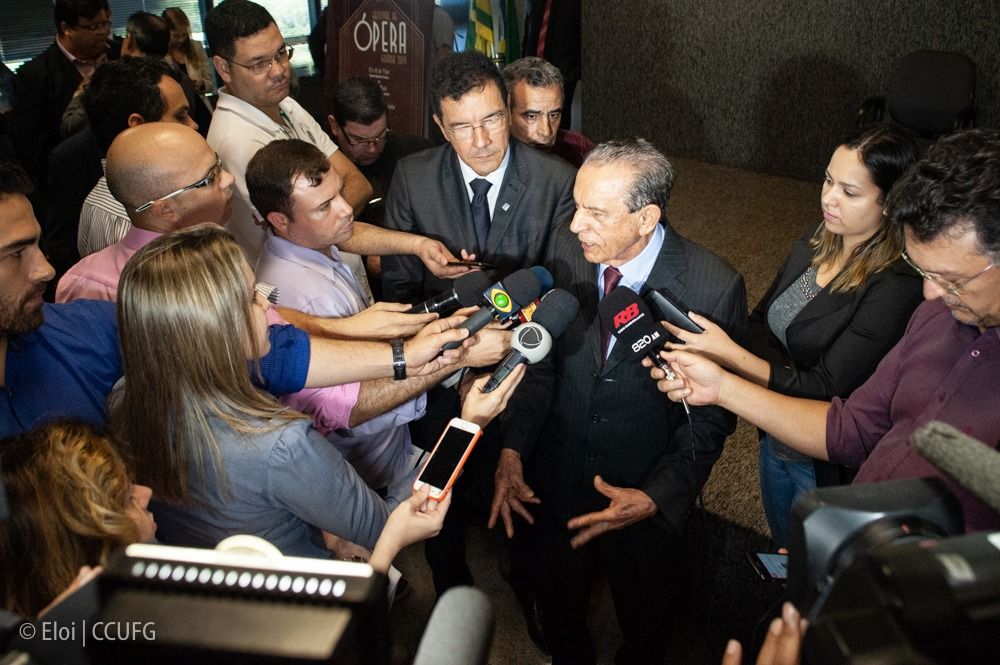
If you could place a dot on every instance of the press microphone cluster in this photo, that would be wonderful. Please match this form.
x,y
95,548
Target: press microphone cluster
x,y
628,318
532,341
503,300
466,291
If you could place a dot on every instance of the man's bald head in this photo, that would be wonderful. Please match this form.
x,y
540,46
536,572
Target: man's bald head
x,y
152,160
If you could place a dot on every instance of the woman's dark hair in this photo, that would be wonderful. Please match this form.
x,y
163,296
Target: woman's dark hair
x,y
885,151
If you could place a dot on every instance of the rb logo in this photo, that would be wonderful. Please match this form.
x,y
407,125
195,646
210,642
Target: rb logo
x,y
626,315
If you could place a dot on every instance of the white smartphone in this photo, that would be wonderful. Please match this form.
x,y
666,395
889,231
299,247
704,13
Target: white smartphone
x,y
448,457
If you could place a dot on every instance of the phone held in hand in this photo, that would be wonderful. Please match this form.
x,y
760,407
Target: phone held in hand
x,y
769,566
671,313
448,457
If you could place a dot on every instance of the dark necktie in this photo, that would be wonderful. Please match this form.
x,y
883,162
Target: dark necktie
x,y
611,278
481,211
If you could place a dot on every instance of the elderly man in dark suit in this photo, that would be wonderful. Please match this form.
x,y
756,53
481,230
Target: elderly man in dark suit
x,y
486,196
613,467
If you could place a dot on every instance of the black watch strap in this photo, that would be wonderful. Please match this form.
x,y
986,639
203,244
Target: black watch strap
x,y
398,361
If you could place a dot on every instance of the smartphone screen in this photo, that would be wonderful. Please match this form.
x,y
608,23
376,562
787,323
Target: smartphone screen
x,y
771,566
446,457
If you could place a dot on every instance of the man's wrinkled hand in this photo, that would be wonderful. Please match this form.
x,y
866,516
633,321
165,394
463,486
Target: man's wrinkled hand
x,y
510,493
628,506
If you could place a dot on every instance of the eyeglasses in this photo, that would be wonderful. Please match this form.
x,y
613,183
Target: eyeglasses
x,y
204,182
954,288
262,67
101,26
490,123
373,142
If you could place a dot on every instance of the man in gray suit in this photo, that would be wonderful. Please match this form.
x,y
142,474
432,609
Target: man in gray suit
x,y
614,468
524,195
487,197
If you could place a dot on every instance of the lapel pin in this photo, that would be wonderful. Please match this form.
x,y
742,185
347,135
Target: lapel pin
x,y
505,207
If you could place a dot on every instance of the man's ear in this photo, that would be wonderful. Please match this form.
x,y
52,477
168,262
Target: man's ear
x,y
334,126
437,121
649,216
165,215
222,67
279,223
134,120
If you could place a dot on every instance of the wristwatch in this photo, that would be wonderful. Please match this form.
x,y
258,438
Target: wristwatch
x,y
398,362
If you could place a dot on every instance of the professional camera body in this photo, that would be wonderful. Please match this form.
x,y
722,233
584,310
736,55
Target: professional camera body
x,y
883,577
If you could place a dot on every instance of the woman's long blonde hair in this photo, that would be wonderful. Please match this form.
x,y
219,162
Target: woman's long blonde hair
x,y
886,153
69,494
184,317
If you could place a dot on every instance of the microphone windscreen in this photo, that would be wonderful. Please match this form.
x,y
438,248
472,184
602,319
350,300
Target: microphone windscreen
x,y
523,286
470,286
544,277
556,311
629,320
460,630
973,464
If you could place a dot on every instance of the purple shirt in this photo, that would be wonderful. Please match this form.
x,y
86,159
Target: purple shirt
x,y
940,370
95,277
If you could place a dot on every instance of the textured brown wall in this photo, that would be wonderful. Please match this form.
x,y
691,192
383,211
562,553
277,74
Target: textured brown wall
x,y
767,85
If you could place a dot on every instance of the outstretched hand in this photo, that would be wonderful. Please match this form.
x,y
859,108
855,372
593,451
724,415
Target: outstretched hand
x,y
510,492
782,645
628,506
698,379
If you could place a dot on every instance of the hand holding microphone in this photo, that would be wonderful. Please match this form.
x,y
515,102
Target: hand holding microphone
x,y
504,299
532,341
628,318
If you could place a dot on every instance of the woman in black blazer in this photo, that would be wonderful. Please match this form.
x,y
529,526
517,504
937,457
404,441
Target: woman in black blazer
x,y
841,300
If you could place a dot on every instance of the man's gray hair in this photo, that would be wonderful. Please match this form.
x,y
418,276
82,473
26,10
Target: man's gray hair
x,y
536,72
654,175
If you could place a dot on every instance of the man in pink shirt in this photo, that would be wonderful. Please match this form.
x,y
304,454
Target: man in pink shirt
x,y
149,170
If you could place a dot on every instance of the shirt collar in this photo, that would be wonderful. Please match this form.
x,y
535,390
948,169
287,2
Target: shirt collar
x,y
636,271
494,178
136,238
250,113
304,256
80,61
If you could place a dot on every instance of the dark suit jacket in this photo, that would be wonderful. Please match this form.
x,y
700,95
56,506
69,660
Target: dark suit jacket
x,y
838,339
74,169
428,196
43,88
586,418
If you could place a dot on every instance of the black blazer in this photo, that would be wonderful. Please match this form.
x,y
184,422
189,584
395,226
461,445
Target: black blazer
x,y
43,89
582,418
837,340
428,196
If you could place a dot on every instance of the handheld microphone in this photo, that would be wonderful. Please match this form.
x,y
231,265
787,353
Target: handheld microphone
x,y
974,465
505,298
465,291
460,630
533,341
628,318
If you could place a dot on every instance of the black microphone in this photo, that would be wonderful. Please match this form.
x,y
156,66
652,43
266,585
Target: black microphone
x,y
628,318
460,630
533,341
505,298
973,464
466,291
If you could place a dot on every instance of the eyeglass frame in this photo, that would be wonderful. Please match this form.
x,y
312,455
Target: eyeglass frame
x,y
500,115
97,27
255,69
374,142
952,288
213,173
